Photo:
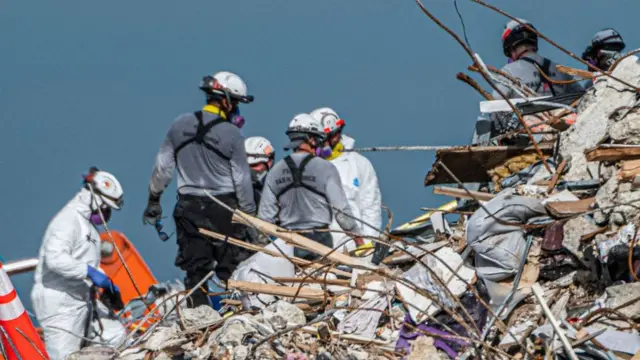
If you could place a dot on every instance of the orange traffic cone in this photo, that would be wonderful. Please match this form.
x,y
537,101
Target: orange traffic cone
x,y
19,337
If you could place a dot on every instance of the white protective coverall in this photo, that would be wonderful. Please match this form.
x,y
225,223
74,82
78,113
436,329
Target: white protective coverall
x,y
60,294
360,184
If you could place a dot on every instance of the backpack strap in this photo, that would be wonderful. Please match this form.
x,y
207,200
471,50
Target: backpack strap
x,y
545,68
200,137
296,174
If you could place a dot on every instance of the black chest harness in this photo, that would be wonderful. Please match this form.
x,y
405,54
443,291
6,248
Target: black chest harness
x,y
296,174
545,68
200,137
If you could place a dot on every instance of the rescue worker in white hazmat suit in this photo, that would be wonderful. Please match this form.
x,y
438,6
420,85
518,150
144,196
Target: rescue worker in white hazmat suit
x,y
358,177
68,264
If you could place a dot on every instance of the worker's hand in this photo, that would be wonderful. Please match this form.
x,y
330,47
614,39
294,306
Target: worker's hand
x,y
359,241
153,212
99,279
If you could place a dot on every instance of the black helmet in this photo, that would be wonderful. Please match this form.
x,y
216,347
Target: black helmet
x,y
605,39
515,34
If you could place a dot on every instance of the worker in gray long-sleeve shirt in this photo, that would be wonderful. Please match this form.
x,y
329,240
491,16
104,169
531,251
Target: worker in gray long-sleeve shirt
x,y
301,189
207,149
520,45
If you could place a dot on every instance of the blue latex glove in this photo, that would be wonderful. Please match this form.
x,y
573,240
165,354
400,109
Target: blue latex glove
x,y
99,279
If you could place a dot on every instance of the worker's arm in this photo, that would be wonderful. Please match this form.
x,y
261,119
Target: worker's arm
x,y
338,199
164,166
241,175
268,209
58,248
369,198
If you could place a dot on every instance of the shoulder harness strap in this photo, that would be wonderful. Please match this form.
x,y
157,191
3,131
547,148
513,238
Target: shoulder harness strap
x,y
200,136
546,69
296,174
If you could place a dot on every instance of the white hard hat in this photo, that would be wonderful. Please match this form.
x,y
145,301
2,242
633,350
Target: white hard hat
x,y
329,119
226,84
301,128
107,188
258,149
231,82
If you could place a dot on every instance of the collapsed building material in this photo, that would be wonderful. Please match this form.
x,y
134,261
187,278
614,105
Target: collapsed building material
x,y
462,194
472,163
562,209
613,152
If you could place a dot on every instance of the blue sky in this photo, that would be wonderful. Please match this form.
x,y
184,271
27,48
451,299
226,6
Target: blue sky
x,y
98,83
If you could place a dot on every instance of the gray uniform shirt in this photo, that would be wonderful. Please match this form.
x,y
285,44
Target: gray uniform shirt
x,y
530,76
300,208
200,168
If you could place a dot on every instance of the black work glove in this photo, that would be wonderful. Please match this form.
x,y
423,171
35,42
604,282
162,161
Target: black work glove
x,y
255,237
153,212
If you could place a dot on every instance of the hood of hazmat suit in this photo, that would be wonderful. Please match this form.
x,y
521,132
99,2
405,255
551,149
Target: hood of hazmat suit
x,y
360,184
60,294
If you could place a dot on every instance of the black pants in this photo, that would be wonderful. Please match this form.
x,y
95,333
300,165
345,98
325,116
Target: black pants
x,y
321,237
196,252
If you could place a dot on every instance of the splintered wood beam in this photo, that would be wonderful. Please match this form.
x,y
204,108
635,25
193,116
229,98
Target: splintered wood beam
x,y
613,153
575,72
301,241
276,290
556,176
312,280
570,208
462,193
253,247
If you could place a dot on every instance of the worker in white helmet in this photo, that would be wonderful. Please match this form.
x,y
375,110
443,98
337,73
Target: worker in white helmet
x,y
68,266
303,189
358,177
260,155
207,149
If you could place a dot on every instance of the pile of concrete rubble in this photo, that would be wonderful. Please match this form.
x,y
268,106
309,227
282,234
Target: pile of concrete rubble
x,y
547,265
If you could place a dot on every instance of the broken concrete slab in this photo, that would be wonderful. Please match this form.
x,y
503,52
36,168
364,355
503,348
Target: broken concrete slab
x,y
574,229
621,294
289,312
593,120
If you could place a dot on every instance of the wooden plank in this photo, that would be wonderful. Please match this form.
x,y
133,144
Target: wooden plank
x,y
570,208
253,247
613,153
301,241
556,176
629,170
462,193
276,290
312,280
471,163
591,235
575,72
